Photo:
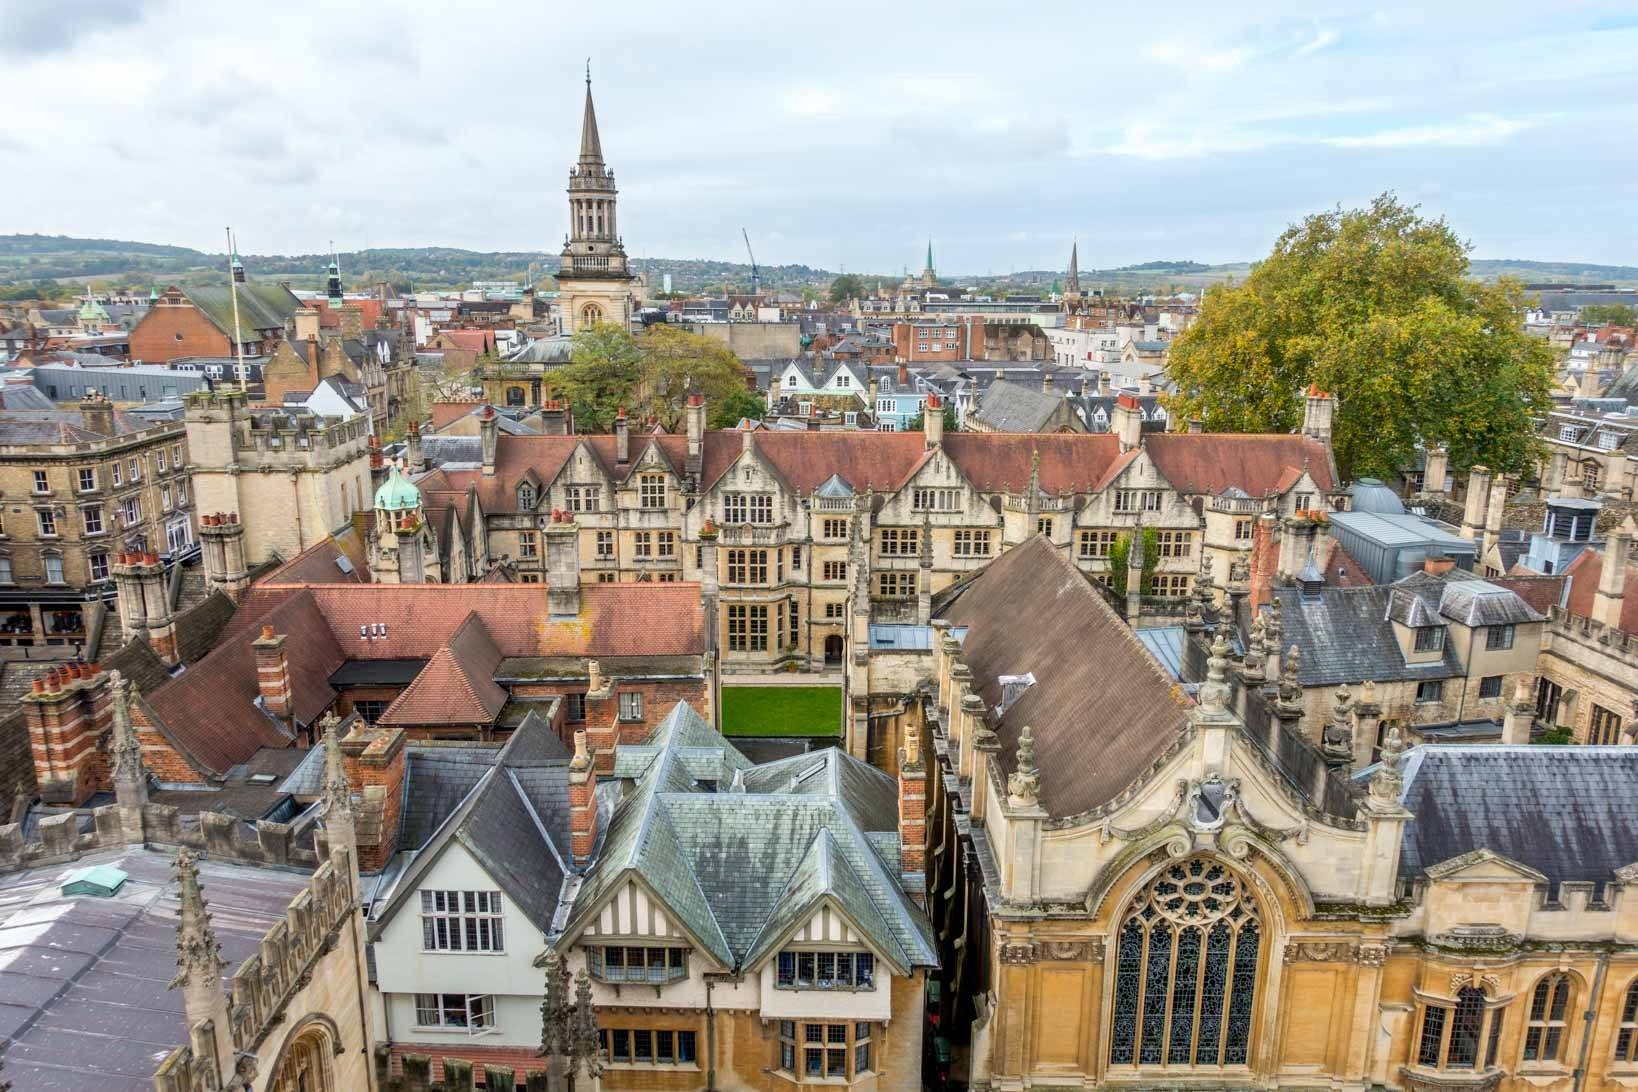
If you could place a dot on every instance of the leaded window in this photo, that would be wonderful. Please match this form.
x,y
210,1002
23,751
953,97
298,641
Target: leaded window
x,y
1626,1040
1451,1034
1549,1007
1186,972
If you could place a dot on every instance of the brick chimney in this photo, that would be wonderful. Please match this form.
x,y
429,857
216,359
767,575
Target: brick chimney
x,y
913,814
1612,577
273,674
1127,422
1437,564
582,802
932,421
69,711
374,758
489,438
563,566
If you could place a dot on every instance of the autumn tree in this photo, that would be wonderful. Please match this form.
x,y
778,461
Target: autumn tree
x,y
674,363
1374,305
601,378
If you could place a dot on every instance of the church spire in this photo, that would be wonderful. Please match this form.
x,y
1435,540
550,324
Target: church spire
x,y
929,254
1073,286
591,147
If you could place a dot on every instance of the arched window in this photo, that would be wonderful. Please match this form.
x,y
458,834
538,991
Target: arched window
x,y
1451,1036
1626,1040
591,314
1186,976
1544,1036
514,396
526,497
305,1065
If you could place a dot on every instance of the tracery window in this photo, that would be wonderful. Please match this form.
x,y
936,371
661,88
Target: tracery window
x,y
1451,1035
1186,976
1626,1040
1549,1006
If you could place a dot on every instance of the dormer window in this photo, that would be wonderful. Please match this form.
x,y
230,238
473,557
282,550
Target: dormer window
x,y
633,963
1430,638
815,970
526,497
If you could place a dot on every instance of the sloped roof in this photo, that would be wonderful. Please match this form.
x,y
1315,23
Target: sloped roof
x,y
1102,715
261,307
457,686
1345,636
1569,812
337,559
1209,462
1012,407
1584,573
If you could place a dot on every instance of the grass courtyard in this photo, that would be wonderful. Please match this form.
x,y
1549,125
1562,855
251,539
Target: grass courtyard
x,y
781,710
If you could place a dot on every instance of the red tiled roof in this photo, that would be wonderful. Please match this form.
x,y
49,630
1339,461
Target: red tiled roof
x,y
209,711
1541,592
457,685
1259,463
626,619
1583,574
1343,570
317,563
1000,462
479,341
445,414
329,319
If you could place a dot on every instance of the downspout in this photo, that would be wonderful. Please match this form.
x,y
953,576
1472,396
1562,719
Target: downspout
x,y
710,1037
1587,1020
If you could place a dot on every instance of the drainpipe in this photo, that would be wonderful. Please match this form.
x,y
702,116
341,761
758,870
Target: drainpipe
x,y
711,1034
1587,1020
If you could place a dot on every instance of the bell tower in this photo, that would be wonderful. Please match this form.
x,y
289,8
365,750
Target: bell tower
x,y
594,281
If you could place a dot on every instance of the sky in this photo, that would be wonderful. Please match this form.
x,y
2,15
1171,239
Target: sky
x,y
840,135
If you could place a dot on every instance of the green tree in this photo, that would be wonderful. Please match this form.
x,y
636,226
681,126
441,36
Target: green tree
x,y
675,364
1375,306
726,412
1620,314
848,286
1120,557
602,377
919,421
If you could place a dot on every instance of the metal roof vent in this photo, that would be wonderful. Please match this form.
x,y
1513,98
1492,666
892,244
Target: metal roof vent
x,y
98,881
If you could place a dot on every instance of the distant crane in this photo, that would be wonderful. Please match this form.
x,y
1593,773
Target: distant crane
x,y
756,278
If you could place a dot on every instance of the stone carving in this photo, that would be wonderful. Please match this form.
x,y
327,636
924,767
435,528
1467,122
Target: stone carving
x,y
1321,951
1337,741
1373,955
1018,952
1072,951
1024,786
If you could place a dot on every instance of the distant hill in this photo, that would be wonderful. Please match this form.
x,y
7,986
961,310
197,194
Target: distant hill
x,y
27,259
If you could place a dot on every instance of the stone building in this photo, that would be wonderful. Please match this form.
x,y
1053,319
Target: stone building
x,y
594,284
84,488
1589,657
1138,882
378,360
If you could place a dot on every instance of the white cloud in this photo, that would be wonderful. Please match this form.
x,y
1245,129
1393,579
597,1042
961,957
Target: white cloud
x,y
1475,131
1324,39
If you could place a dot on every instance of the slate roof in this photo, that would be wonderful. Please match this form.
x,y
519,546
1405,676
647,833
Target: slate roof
x,y
1569,812
1101,716
694,840
1012,407
1345,637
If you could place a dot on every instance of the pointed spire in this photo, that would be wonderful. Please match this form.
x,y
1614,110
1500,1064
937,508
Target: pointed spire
x,y
198,953
1214,694
585,1051
591,147
1073,287
338,793
556,1035
128,767
929,253
1024,786
1387,780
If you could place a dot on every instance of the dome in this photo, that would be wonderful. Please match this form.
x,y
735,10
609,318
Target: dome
x,y
397,493
1370,495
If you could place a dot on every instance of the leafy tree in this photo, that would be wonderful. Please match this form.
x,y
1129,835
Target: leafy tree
x,y
919,421
675,363
1120,552
726,412
1120,557
848,286
1375,306
1620,314
1556,737
601,378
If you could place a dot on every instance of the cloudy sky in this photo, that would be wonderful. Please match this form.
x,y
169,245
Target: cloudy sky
x,y
840,135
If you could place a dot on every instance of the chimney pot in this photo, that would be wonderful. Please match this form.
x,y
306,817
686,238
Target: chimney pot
x,y
267,633
39,685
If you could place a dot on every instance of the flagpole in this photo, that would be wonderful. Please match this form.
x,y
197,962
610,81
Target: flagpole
x,y
238,331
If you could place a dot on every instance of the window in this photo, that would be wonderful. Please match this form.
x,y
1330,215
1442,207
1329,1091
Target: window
x,y
130,509
935,500
181,492
113,469
747,628
5,570
574,706
643,545
1626,1040
92,514
1174,543
747,508
824,1052
159,455
584,498
833,570
799,970
665,543
176,456
370,710
972,544
461,921
1196,1009
41,483
165,497
651,491
796,558
1590,475
1304,502
1605,728
614,963
1547,1029
48,522
1568,434
470,1012
1490,687
666,578
1607,440
1497,638
795,630
835,610
1430,692
1451,1035
653,1047
136,470
607,578
1243,529
1170,585
1043,525
98,565
1093,544
901,541
631,705
1430,638
747,566
896,585
1137,500
526,497
835,529
528,545
88,479
605,545
53,569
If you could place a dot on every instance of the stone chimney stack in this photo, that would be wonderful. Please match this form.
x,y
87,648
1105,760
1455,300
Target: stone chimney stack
x,y
97,414
1478,498
273,674
622,438
352,322
340,829
222,543
563,565
489,438
1555,473
1612,577
1435,470
1134,578
1494,514
1317,411
144,601
932,421
695,414
913,813
582,802
412,444
307,325
1127,422
1521,713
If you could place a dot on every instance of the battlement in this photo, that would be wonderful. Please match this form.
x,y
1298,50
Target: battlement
x,y
71,835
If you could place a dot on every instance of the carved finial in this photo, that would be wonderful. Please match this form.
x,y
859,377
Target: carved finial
x,y
585,1051
1367,693
1337,739
128,765
1024,786
1214,693
1387,781
198,953
338,793
912,745
1290,687
1341,704
555,1033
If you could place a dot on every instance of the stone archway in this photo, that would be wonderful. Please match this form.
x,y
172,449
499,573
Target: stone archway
x,y
306,1063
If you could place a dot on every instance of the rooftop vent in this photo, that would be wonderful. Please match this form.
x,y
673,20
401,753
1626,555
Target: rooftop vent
x,y
1012,688
98,881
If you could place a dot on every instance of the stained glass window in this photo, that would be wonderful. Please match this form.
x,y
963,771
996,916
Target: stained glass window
x,y
1186,972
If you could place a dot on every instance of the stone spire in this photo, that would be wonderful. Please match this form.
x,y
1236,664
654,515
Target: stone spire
x,y
130,775
338,793
591,146
1024,786
929,268
1337,742
556,1035
1072,287
584,1050
1215,692
198,953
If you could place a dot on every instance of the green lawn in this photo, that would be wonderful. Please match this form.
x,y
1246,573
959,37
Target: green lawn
x,y
782,710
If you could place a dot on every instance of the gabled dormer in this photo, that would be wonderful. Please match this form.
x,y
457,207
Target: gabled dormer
x,y
936,488
528,492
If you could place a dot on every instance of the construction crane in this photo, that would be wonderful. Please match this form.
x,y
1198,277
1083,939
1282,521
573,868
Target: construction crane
x,y
756,278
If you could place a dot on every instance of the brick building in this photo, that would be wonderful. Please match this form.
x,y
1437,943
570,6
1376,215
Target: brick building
x,y
199,322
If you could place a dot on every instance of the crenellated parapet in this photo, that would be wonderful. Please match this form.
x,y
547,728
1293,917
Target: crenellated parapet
x,y
71,835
